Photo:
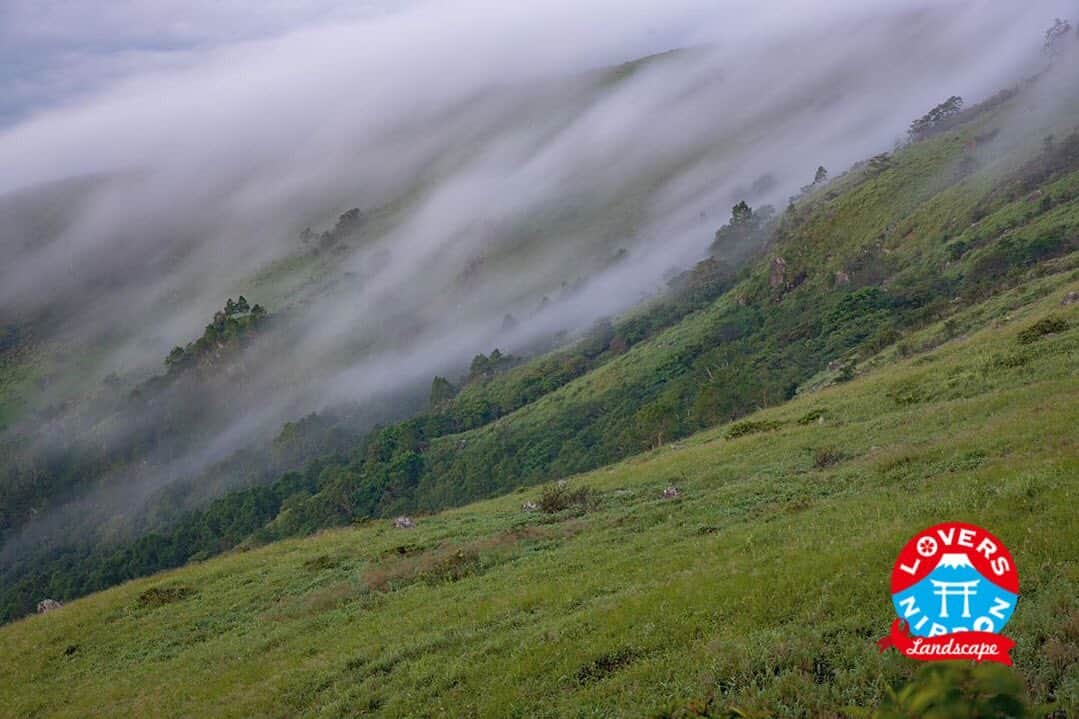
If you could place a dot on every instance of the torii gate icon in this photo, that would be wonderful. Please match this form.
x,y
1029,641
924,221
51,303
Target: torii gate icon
x,y
966,590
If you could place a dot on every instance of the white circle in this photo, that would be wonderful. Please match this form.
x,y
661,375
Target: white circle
x,y
928,542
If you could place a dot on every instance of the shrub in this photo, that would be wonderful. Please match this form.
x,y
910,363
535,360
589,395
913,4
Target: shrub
x,y
1006,361
827,457
741,429
319,563
160,596
846,372
884,337
960,689
451,566
558,497
1047,326
906,393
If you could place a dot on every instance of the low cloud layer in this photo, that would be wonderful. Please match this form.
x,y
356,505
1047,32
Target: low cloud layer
x,y
497,162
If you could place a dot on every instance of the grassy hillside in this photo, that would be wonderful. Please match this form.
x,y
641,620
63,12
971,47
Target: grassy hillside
x,y
762,587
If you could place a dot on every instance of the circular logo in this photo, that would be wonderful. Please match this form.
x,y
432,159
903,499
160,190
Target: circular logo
x,y
954,578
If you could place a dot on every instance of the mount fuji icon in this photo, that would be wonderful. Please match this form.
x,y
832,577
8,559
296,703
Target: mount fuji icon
x,y
954,561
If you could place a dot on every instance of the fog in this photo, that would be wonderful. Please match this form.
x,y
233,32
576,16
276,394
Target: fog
x,y
496,157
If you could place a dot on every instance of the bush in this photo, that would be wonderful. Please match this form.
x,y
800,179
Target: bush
x,y
907,392
451,566
319,563
884,337
1047,326
960,689
160,596
741,429
827,457
558,497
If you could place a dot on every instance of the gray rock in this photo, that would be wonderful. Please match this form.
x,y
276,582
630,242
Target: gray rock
x,y
47,605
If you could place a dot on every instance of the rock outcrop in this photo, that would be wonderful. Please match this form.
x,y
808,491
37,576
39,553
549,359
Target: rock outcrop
x,y
778,275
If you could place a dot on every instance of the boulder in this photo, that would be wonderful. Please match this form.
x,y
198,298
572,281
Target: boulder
x,y
47,605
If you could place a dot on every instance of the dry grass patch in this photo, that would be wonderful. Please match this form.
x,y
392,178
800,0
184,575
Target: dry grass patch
x,y
452,562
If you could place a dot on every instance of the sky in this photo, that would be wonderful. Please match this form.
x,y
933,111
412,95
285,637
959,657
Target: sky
x,y
55,52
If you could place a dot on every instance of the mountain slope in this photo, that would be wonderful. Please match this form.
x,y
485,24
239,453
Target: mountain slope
x,y
853,266
763,586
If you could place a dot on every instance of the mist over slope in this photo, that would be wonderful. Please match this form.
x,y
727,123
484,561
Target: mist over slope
x,y
501,165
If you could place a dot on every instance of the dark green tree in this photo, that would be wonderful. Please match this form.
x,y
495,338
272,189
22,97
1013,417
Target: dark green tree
x,y
479,367
821,175
442,391
741,214
175,358
935,119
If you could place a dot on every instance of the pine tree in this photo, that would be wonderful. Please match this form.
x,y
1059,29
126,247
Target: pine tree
x,y
442,390
176,356
741,213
